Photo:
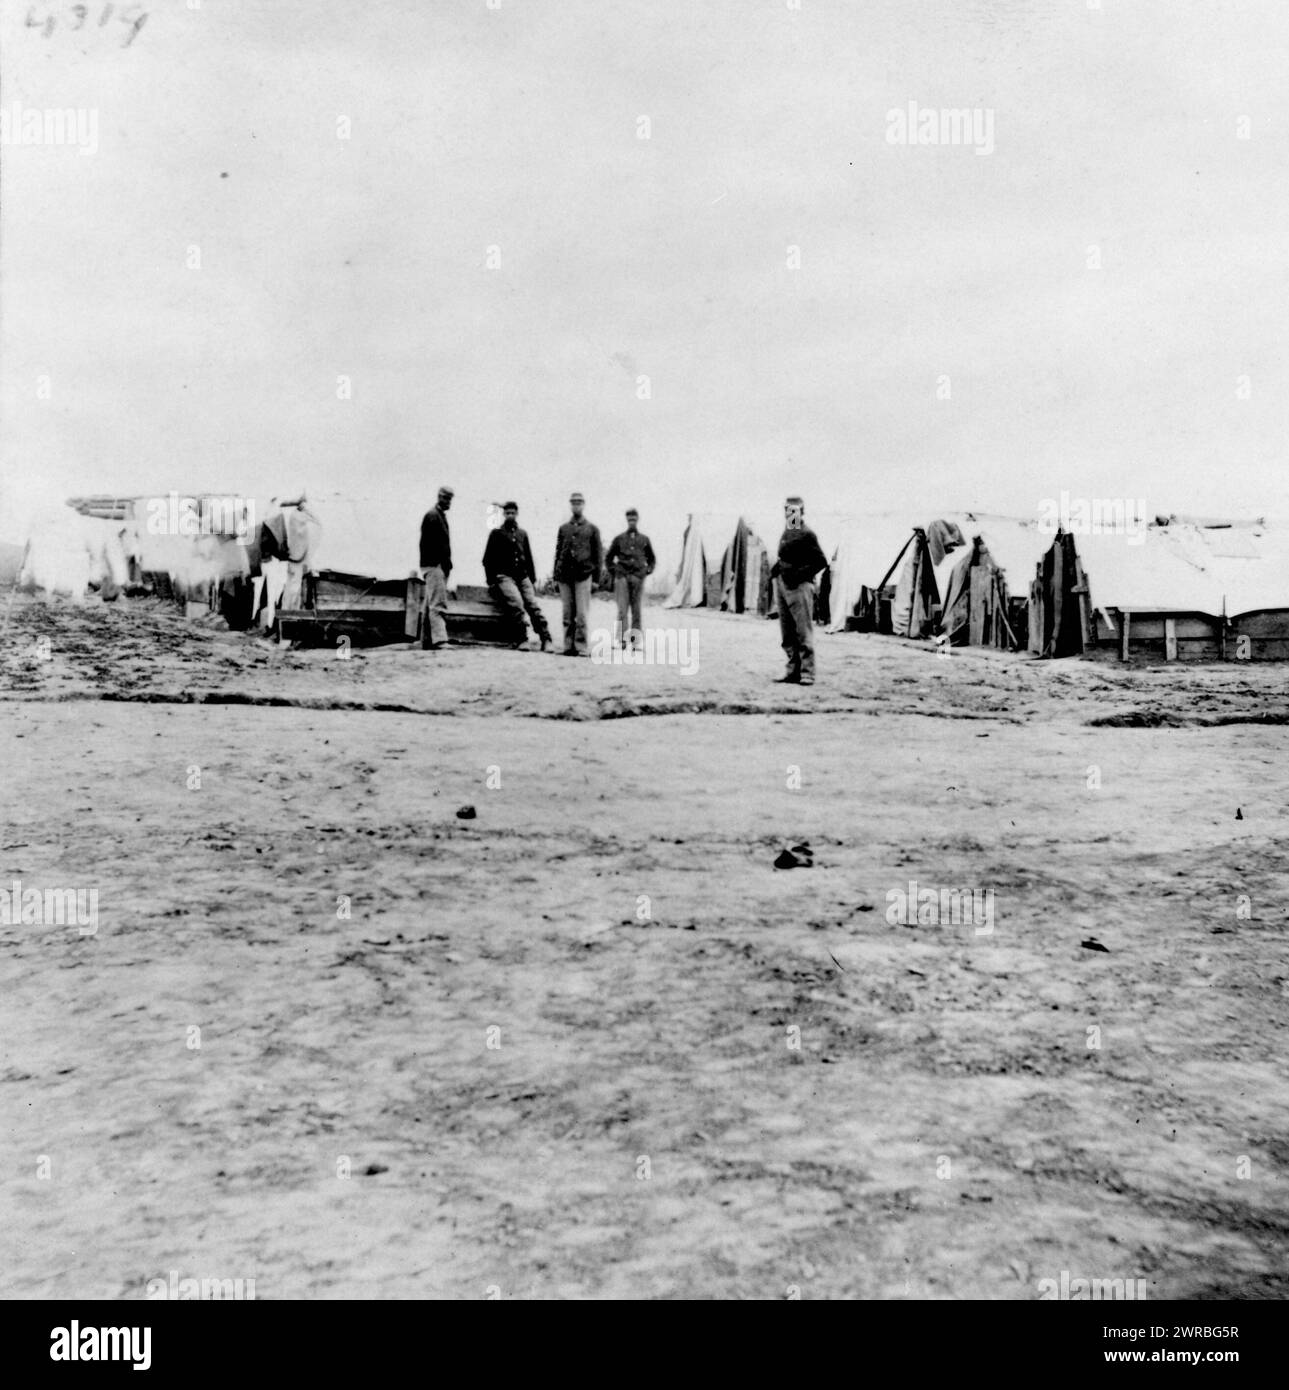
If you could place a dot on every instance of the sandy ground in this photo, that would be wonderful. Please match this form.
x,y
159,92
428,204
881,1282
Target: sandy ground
x,y
592,1043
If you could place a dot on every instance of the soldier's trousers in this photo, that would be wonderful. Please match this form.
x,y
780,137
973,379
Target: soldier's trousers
x,y
520,597
435,632
797,627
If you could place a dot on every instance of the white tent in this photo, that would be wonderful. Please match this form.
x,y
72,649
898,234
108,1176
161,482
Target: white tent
x,y
870,544
709,542
1235,568
707,536
1247,564
65,553
177,535
864,551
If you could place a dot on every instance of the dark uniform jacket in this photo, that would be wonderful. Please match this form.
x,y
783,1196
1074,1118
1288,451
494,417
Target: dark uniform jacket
x,y
579,553
508,553
800,557
630,553
436,545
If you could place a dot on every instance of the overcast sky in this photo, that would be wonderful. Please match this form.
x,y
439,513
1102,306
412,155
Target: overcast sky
x,y
665,257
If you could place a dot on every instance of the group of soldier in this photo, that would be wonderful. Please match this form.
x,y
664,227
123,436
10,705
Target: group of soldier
x,y
580,561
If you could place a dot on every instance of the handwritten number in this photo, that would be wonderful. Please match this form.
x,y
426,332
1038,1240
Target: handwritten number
x,y
34,23
133,16
137,23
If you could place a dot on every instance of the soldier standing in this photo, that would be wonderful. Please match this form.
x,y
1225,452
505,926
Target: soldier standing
x,y
630,562
579,560
800,559
436,565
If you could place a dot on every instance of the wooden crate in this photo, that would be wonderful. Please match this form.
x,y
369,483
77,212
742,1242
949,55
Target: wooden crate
x,y
473,615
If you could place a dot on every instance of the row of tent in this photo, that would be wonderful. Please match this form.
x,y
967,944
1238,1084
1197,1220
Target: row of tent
x,y
884,573
239,554
1177,588
199,547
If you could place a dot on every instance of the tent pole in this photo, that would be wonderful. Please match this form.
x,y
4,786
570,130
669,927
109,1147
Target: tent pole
x,y
895,563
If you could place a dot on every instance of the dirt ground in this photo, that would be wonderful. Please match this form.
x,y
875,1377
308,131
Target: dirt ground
x,y
591,1043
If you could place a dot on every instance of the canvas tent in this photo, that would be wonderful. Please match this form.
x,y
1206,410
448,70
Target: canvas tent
x,y
203,543
1058,601
916,595
185,545
983,585
860,561
67,553
974,598
1180,589
724,564
952,569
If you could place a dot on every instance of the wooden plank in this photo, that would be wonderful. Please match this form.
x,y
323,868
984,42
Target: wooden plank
x,y
476,610
363,582
361,616
1058,601
329,584
1197,627
1170,639
982,584
1086,623
473,593
378,603
1126,620
1155,650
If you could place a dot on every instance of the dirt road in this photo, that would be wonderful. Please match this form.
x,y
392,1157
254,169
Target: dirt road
x,y
590,1042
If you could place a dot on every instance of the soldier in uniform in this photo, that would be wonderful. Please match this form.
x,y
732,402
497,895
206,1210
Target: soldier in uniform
x,y
800,559
436,565
630,562
579,561
508,565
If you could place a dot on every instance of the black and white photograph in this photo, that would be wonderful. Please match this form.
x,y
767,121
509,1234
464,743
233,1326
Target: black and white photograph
x,y
643,655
